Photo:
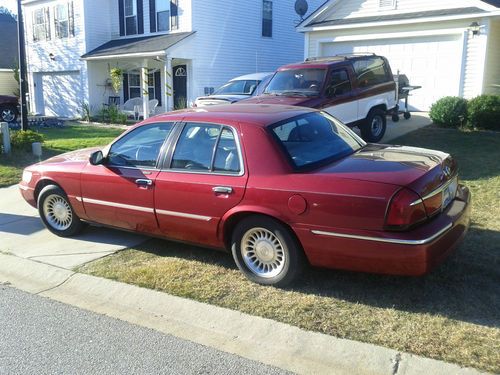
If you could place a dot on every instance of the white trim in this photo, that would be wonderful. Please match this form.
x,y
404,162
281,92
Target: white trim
x,y
463,62
386,240
398,22
183,214
118,205
125,55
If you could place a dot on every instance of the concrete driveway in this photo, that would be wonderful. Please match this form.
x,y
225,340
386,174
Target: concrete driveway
x,y
397,129
23,234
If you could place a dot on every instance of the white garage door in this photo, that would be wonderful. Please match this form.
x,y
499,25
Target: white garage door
x,y
432,62
62,94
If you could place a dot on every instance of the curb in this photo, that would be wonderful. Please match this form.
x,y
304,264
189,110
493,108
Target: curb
x,y
259,339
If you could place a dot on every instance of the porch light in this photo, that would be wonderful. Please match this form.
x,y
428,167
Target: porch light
x,y
475,28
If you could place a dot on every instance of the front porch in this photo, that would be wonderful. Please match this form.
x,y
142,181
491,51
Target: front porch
x,y
151,81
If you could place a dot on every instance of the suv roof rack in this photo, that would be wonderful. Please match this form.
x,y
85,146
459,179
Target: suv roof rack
x,y
343,56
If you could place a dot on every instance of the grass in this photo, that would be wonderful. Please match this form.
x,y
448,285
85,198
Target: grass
x,y
453,314
57,140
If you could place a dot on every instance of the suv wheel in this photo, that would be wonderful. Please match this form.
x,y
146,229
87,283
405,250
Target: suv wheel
x,y
8,114
374,127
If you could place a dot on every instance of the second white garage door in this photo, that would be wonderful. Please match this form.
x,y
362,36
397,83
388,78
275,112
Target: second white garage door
x,y
62,94
432,62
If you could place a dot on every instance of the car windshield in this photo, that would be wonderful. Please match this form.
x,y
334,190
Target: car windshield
x,y
299,82
239,87
315,138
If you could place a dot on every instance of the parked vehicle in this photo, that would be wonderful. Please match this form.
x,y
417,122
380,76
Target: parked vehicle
x,y
236,89
357,89
8,108
278,186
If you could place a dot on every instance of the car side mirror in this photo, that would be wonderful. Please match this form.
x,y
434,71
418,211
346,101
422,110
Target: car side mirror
x,y
96,158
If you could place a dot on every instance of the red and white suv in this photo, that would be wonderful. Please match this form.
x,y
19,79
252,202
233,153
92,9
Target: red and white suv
x,y
357,89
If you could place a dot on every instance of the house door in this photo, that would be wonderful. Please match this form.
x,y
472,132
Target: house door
x,y
180,86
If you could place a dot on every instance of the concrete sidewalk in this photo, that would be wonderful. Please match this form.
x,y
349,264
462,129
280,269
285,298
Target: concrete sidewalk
x,y
23,234
259,339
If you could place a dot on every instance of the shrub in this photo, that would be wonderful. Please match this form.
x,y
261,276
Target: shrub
x,y
483,112
22,140
449,111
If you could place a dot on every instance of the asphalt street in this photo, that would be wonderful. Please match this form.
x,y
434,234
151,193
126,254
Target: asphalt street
x,y
42,336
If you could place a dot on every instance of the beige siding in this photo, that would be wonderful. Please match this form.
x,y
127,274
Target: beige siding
x,y
363,8
475,51
8,84
492,73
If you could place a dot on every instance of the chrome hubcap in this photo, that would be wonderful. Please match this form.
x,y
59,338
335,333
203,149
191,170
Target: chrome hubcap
x,y
7,115
57,212
263,252
376,126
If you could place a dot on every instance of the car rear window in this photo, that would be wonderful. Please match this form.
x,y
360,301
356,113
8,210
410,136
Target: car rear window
x,y
371,71
315,138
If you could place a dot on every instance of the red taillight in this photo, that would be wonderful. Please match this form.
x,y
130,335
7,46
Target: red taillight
x,y
406,208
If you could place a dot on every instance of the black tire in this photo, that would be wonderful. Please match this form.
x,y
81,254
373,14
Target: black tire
x,y
8,113
407,115
56,212
274,240
373,129
395,118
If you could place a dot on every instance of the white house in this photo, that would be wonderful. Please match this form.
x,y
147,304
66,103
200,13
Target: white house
x,y
182,48
449,47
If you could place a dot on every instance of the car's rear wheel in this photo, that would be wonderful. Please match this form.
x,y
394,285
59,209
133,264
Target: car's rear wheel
x,y
56,212
266,252
373,129
8,114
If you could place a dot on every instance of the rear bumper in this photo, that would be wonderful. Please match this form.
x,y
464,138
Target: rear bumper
x,y
411,253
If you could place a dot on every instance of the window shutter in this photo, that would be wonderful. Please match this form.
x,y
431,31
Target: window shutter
x,y
125,87
121,14
140,18
71,19
158,87
152,16
47,22
174,14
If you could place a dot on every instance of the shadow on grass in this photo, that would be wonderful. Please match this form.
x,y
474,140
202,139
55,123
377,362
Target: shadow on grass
x,y
464,287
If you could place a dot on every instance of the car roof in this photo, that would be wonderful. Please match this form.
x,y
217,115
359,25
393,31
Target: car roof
x,y
255,114
253,76
327,61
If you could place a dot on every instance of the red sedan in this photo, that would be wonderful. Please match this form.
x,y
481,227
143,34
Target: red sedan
x,y
278,186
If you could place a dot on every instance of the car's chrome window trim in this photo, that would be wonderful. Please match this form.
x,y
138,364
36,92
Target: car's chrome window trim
x,y
386,240
215,173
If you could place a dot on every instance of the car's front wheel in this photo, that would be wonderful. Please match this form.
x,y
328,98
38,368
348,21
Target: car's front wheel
x,y
56,212
266,252
374,127
8,114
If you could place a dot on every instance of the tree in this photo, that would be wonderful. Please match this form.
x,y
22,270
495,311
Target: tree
x,y
4,10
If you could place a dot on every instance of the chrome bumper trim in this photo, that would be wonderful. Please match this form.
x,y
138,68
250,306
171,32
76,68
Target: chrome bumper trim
x,y
386,240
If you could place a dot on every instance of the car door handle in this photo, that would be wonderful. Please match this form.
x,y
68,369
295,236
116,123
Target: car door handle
x,y
222,189
144,182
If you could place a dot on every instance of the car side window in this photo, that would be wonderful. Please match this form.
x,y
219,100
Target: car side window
x,y
371,71
339,83
140,147
206,148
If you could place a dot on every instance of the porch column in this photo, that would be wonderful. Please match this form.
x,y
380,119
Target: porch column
x,y
145,92
168,94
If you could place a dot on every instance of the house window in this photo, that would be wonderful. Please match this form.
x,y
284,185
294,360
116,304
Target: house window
x,y
162,15
41,24
130,12
134,85
387,4
267,18
63,20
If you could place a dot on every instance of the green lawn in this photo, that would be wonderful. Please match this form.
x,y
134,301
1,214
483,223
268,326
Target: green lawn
x,y
57,140
453,314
